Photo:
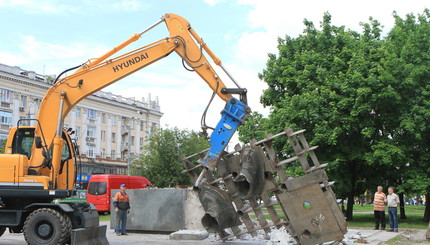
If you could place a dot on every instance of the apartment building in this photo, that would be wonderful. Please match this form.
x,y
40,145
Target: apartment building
x,y
109,129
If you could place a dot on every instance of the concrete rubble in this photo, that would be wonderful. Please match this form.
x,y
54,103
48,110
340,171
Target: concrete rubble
x,y
189,235
254,179
277,237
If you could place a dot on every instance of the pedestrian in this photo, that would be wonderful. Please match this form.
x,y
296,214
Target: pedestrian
x,y
392,203
379,201
121,202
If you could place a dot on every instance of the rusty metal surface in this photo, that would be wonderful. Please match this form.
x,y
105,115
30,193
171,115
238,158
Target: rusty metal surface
x,y
256,183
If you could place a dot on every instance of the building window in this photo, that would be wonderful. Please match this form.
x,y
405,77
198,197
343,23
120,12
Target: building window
x,y
132,140
102,153
112,154
103,135
113,137
91,132
22,121
78,112
23,101
103,117
92,114
141,126
113,120
6,117
78,131
123,155
153,128
37,101
141,142
5,95
90,151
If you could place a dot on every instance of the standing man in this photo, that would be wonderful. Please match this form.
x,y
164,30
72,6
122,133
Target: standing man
x,y
393,202
121,202
379,208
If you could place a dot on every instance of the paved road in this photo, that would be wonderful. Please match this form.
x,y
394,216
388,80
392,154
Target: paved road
x,y
352,237
132,239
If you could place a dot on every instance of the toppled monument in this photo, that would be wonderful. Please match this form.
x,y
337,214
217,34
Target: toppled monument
x,y
252,178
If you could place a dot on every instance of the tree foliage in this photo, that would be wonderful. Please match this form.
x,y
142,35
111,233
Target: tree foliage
x,y
161,163
363,99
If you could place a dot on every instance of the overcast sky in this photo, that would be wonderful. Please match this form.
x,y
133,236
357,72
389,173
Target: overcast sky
x,y
49,36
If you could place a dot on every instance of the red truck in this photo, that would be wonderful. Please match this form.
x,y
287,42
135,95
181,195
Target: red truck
x,y
100,186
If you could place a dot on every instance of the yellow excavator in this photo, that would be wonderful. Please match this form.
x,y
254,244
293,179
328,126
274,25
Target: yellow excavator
x,y
39,163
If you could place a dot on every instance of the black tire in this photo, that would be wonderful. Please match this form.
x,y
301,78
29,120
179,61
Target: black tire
x,y
48,227
2,230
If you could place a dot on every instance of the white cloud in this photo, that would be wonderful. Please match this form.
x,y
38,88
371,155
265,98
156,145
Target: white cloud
x,y
36,7
213,2
58,7
282,17
54,58
271,19
121,5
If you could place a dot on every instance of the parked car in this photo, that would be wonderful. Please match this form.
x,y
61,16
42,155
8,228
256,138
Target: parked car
x,y
100,186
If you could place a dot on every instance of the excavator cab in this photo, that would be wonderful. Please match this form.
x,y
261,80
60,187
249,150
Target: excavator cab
x,y
23,141
37,191
35,170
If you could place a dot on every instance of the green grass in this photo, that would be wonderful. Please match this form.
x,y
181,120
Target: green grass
x,y
409,209
105,217
394,240
362,218
366,221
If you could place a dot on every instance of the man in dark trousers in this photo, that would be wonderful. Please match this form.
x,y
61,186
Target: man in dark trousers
x,y
393,202
121,202
379,208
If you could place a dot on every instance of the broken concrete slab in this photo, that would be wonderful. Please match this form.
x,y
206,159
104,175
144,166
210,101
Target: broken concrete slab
x,y
189,235
165,210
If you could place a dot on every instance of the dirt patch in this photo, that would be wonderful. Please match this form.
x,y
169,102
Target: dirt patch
x,y
410,237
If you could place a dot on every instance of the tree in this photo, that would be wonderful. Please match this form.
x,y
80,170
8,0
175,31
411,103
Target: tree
x,y
161,163
408,59
332,83
254,127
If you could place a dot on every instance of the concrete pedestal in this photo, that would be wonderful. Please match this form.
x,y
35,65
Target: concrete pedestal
x,y
165,210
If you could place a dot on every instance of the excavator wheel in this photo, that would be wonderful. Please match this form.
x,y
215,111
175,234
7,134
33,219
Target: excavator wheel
x,y
48,227
2,230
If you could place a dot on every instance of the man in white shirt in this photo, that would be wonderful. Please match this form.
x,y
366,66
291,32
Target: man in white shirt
x,y
393,202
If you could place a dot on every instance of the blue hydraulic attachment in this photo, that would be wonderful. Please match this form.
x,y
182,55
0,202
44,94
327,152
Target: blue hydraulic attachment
x,y
233,114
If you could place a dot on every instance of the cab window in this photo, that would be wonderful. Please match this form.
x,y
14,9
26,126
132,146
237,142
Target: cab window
x,y
65,153
23,141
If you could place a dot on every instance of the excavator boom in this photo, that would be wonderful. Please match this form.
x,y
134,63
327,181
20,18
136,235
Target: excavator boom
x,y
48,168
98,73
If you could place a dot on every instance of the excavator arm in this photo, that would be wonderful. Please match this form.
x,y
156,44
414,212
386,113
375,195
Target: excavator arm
x,y
101,72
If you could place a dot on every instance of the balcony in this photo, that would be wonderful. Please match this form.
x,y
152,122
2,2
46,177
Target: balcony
x,y
92,121
90,140
124,130
5,105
